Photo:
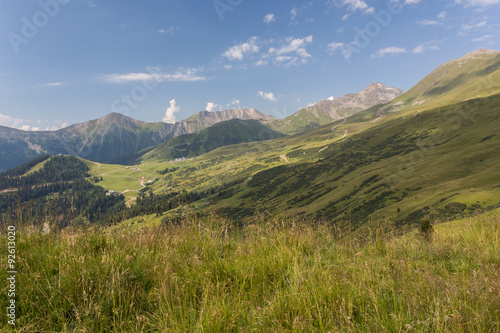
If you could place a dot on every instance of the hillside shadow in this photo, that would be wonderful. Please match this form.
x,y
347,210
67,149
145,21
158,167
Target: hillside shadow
x,y
447,87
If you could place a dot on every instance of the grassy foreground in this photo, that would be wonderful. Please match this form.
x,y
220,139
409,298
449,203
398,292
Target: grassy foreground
x,y
271,276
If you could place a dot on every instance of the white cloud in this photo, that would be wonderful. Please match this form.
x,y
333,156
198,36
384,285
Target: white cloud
x,y
189,75
170,31
296,11
11,121
282,58
412,2
279,51
353,6
211,106
423,48
473,26
442,15
228,66
294,45
332,48
269,18
482,39
331,98
477,3
237,52
170,112
51,84
234,102
388,51
268,95
33,125
429,22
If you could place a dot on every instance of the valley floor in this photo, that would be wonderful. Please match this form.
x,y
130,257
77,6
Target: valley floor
x,y
270,276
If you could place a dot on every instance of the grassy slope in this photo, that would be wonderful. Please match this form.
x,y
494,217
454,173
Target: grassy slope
x,y
427,160
271,276
453,167
445,155
222,134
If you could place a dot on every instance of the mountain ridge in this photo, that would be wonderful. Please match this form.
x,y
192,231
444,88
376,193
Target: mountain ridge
x,y
329,110
106,138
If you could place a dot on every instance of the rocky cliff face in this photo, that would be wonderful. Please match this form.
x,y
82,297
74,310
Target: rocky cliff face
x,y
327,111
205,119
347,105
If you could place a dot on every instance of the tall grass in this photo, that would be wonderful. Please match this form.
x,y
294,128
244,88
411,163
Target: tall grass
x,y
271,276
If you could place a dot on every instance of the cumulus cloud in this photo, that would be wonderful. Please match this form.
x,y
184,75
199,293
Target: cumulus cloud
x,y
412,2
269,18
170,112
353,6
287,52
331,98
268,96
33,125
234,102
11,121
341,48
293,45
237,52
388,51
211,106
188,75
442,15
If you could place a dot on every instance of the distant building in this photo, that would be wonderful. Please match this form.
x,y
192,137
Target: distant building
x,y
110,193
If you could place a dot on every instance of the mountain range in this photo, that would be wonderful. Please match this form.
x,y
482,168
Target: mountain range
x,y
430,152
115,137
327,111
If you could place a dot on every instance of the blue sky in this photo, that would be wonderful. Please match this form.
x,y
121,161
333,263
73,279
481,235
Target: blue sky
x,y
63,62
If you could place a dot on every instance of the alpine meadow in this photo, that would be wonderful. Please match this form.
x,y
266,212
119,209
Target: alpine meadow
x,y
374,211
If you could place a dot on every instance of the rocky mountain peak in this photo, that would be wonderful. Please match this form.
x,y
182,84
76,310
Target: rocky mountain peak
x,y
376,85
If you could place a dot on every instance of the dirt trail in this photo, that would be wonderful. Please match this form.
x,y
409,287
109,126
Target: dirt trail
x,y
129,201
342,123
284,157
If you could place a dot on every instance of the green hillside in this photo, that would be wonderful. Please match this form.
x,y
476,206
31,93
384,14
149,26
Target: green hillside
x,y
396,160
222,134
404,168
273,275
477,74
399,160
